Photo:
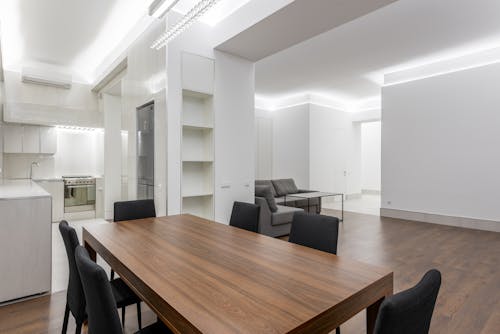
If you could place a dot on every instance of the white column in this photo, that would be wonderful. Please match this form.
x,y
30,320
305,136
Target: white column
x,y
112,152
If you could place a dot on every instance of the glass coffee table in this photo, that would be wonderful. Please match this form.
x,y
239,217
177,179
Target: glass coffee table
x,y
313,195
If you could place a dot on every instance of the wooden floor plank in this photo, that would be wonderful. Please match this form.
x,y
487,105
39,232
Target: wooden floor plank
x,y
469,300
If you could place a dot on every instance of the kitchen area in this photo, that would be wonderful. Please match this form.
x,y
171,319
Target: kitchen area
x,y
49,173
70,148
66,162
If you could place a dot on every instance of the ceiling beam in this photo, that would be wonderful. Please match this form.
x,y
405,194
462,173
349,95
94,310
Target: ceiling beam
x,y
298,21
114,73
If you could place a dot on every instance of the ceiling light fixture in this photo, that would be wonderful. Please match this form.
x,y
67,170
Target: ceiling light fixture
x,y
159,8
198,10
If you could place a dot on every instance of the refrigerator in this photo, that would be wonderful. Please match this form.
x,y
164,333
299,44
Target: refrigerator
x,y
145,151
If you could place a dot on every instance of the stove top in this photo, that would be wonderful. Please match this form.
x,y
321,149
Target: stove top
x,y
78,180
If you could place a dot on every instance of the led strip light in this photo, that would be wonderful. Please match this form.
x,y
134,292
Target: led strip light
x,y
198,10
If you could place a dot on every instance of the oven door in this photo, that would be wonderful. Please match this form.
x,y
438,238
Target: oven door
x,y
78,198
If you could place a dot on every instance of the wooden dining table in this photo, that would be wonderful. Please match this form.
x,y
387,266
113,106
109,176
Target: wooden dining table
x,y
200,276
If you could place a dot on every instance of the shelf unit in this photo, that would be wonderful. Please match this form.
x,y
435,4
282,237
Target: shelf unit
x,y
197,187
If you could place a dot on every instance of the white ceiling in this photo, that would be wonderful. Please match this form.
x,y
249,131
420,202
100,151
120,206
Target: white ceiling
x,y
75,36
348,62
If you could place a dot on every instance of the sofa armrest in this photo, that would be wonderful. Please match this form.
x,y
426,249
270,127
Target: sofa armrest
x,y
265,217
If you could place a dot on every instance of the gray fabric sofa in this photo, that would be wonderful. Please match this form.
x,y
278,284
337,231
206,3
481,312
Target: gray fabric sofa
x,y
278,223
287,186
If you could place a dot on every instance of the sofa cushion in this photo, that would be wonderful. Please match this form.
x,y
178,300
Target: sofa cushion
x,y
285,186
266,183
265,191
284,215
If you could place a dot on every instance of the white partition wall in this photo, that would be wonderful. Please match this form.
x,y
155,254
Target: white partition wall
x,y
440,155
234,138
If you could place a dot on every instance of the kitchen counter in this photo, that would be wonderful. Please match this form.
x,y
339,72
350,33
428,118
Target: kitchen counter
x,y
25,240
15,189
48,179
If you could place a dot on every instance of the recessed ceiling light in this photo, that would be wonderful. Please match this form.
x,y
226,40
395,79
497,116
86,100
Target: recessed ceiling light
x,y
187,20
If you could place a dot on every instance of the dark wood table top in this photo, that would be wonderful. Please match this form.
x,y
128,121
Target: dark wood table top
x,y
204,277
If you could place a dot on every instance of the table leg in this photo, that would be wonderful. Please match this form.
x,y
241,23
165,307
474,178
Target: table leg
x,y
371,316
342,207
308,205
91,251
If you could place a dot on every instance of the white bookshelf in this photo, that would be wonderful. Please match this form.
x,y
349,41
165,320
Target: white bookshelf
x,y
197,136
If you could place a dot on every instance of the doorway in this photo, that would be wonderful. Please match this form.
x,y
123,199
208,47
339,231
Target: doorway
x,y
370,168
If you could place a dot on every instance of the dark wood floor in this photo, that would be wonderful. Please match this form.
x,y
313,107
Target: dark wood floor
x,y
469,300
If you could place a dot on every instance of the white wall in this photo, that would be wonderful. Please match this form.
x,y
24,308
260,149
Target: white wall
x,y
370,156
234,133
320,147
263,145
440,144
335,155
37,104
291,144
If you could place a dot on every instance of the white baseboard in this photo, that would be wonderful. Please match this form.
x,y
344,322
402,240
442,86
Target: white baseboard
x,y
353,196
472,223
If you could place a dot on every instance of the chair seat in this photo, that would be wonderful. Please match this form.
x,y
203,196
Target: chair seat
x,y
156,328
124,296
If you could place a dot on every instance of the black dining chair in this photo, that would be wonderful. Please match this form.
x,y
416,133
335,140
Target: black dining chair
x,y
75,297
101,304
132,210
315,231
245,216
410,311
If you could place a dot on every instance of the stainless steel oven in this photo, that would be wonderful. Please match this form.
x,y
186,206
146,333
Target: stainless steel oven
x,y
79,193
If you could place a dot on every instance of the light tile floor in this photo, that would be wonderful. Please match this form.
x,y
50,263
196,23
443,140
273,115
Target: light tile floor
x,y
60,271
367,204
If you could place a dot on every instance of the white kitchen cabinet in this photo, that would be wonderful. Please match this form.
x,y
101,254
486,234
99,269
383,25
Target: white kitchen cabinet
x,y
48,140
12,138
31,139
56,189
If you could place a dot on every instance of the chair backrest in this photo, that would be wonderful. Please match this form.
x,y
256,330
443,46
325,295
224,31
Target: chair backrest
x,y
245,216
101,305
75,295
315,231
130,210
410,311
